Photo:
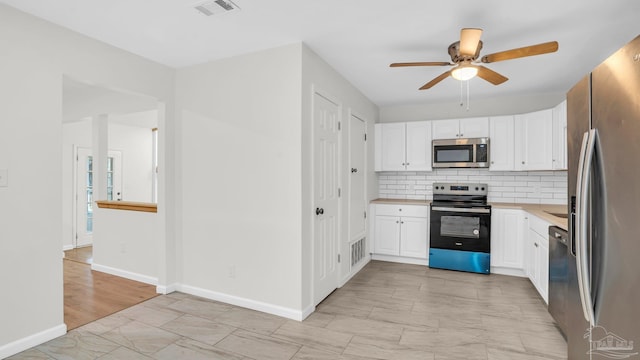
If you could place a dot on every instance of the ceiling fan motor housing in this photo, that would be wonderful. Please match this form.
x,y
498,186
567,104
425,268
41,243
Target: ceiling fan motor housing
x,y
454,52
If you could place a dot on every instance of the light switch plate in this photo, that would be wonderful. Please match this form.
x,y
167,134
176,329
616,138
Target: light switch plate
x,y
4,177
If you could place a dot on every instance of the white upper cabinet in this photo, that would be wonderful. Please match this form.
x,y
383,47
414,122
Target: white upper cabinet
x,y
533,141
461,128
501,143
418,146
560,136
392,146
403,146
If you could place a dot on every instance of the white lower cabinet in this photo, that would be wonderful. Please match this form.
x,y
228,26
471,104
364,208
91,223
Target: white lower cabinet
x,y
507,241
400,230
537,255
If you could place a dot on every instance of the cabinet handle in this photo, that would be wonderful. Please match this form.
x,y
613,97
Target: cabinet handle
x,y
535,244
397,221
401,222
461,135
492,162
399,209
523,163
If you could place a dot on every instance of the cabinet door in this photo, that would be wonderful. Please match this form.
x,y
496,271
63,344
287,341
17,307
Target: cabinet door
x,y
393,147
418,135
543,279
474,127
501,132
533,257
560,136
414,233
533,147
387,235
507,238
445,129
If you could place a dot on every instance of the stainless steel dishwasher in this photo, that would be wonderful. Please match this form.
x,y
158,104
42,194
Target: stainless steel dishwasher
x,y
558,276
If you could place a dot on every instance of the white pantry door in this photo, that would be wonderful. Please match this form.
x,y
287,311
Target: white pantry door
x,y
357,188
326,200
84,201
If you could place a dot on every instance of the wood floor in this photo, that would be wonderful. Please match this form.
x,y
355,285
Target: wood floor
x,y
387,311
91,295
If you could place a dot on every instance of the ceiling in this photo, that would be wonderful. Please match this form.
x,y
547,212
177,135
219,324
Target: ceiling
x,y
360,38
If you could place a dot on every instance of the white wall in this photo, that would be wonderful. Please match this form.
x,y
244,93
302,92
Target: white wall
x,y
477,107
136,145
241,180
125,244
34,56
317,74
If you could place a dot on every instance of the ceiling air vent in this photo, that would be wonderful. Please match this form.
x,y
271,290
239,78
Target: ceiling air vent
x,y
216,7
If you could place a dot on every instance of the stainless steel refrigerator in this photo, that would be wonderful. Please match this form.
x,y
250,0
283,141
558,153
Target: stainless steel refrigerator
x,y
603,113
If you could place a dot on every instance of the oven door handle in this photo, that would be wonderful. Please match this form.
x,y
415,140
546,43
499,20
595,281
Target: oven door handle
x,y
463,210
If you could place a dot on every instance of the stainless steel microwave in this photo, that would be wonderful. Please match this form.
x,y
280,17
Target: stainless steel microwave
x,y
461,153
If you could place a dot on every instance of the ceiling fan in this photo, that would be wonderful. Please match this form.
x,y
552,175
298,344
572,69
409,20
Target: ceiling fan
x,y
465,52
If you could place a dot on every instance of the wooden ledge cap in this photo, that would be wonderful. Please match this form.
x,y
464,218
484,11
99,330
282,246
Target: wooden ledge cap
x,y
127,205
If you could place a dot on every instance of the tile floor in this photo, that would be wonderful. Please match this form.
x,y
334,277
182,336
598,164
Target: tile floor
x,y
387,311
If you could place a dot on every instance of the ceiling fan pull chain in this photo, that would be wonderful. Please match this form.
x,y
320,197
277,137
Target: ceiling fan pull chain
x,y
461,92
468,81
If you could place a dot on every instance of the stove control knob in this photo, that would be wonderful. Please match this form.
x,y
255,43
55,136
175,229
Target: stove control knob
x,y
476,188
476,232
482,189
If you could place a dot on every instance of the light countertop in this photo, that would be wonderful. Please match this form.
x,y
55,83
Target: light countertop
x,y
540,210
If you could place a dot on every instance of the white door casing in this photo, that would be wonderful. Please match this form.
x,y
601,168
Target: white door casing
x,y
326,117
357,187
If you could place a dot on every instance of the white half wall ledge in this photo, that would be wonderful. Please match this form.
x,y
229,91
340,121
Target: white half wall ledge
x,y
272,309
28,342
355,270
126,274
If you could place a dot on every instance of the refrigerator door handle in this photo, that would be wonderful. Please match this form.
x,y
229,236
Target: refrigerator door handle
x,y
578,222
582,249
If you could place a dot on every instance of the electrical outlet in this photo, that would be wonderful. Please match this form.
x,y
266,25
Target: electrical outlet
x,y
232,271
4,177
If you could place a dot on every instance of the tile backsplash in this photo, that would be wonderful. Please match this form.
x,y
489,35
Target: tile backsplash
x,y
532,187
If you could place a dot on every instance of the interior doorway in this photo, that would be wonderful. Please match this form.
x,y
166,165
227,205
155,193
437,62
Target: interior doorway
x,y
128,174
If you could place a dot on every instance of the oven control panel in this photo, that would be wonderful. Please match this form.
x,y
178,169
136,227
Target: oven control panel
x,y
460,189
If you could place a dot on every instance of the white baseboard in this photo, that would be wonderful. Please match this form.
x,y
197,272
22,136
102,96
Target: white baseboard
x,y
67,247
167,289
30,341
282,311
508,271
125,274
399,259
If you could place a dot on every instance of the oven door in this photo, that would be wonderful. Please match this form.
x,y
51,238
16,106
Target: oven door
x,y
466,229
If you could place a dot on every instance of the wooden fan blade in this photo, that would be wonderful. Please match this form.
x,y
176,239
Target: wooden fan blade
x,y
428,63
490,75
441,77
469,39
532,50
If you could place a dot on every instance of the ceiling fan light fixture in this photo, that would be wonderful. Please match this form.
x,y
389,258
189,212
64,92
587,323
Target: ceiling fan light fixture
x,y
464,72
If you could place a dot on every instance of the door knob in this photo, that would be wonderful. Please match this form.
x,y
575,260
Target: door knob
x,y
319,211
354,170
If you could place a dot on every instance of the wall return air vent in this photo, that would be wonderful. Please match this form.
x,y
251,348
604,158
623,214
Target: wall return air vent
x,y
216,7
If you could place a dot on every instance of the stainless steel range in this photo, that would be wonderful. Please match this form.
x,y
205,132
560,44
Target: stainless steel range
x,y
460,236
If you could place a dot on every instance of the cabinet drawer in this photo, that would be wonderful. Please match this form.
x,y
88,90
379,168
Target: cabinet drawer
x,y
402,210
